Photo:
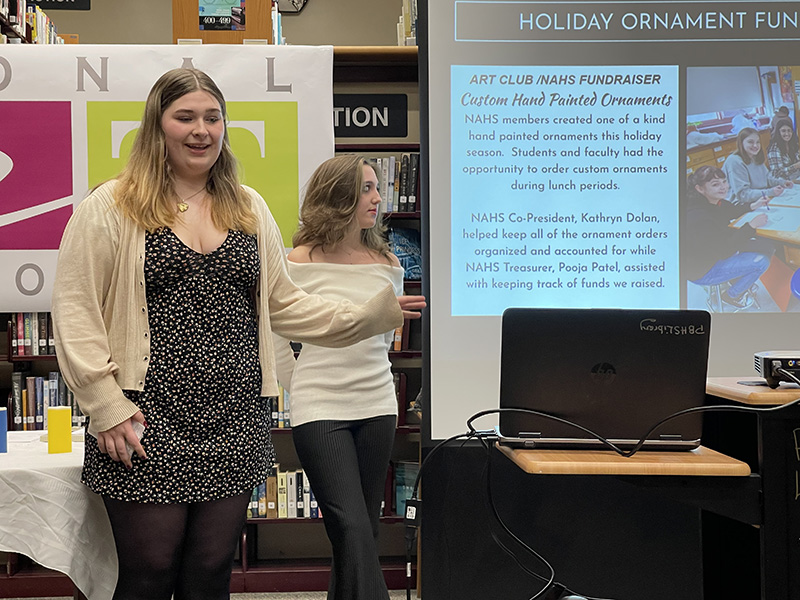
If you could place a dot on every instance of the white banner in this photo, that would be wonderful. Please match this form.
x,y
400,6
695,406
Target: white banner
x,y
68,116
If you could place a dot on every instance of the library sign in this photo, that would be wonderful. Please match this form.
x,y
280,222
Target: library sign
x,y
69,115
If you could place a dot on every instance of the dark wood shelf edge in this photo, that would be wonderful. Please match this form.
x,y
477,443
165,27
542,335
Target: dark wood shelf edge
x,y
37,357
405,354
389,519
44,581
375,64
271,576
402,215
401,429
376,147
374,55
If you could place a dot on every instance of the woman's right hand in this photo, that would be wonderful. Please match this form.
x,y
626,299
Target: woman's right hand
x,y
112,441
411,305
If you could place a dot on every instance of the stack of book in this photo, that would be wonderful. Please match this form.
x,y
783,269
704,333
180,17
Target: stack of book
x,y
31,396
32,334
284,495
398,182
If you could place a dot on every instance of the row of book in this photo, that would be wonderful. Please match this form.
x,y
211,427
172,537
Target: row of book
x,y
407,24
24,14
288,494
284,495
280,406
32,334
280,409
31,396
398,181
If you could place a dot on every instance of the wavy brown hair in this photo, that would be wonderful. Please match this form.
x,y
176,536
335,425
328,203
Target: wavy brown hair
x,y
330,203
145,191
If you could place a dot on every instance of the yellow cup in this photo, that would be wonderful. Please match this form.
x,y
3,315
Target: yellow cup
x,y
59,429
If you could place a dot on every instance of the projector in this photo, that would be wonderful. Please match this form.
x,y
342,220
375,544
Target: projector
x,y
768,362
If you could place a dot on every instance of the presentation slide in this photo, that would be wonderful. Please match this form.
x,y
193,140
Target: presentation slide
x,y
606,155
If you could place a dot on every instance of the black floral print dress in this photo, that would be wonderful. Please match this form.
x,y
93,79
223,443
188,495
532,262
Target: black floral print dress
x,y
207,434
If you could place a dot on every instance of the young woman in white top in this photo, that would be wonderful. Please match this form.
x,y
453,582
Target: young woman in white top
x,y
344,409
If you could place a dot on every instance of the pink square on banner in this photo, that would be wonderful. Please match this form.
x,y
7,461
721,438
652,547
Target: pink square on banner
x,y
35,169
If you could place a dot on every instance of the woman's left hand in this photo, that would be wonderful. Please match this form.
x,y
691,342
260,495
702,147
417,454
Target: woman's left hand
x,y
410,305
788,183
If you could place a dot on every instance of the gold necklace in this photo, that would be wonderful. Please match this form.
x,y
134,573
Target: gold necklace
x,y
183,206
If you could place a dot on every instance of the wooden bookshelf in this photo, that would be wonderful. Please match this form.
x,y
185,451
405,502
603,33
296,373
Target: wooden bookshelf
x,y
7,29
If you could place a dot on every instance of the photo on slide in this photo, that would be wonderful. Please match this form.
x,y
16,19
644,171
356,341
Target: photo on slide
x,y
741,226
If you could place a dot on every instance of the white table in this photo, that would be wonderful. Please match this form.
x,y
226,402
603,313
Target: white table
x,y
46,513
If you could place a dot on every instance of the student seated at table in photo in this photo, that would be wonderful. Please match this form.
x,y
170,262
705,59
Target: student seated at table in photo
x,y
747,172
716,252
782,112
783,153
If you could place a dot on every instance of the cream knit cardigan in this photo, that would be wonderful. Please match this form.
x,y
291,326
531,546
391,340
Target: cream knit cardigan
x,y
100,320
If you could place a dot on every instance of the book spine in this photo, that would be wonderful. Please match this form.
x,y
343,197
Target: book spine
x,y
291,494
62,391
27,334
306,495
313,504
21,334
397,342
52,382
45,397
396,194
38,383
51,341
42,320
301,505
272,493
400,393
384,184
30,415
252,507
404,164
17,411
287,408
413,182
12,330
261,507
389,189
35,334
282,499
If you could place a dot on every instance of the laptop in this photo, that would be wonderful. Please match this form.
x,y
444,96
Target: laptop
x,y
616,372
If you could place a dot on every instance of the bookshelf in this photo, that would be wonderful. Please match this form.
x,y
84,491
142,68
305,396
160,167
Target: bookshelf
x,y
268,565
7,29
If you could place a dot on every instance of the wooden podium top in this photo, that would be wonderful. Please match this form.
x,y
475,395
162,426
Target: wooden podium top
x,y
731,388
702,461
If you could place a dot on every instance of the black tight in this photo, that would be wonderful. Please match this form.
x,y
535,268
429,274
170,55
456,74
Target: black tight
x,y
181,549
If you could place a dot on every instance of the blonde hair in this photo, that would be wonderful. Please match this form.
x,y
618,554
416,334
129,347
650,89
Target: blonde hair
x,y
330,203
145,192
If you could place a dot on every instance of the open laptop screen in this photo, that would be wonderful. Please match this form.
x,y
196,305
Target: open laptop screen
x,y
614,371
